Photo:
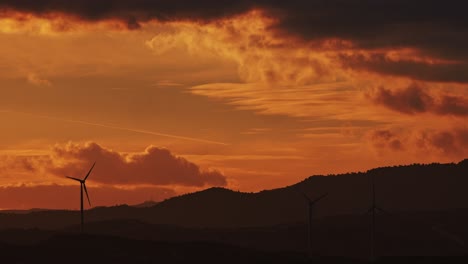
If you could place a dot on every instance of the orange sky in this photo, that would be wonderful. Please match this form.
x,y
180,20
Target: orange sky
x,y
178,105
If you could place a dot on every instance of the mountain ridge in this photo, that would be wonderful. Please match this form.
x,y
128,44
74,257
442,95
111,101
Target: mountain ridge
x,y
439,186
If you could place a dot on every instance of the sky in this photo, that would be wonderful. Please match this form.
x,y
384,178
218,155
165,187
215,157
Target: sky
x,y
172,97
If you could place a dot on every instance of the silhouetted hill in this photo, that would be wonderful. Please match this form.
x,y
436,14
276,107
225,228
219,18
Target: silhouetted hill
x,y
442,233
69,248
401,188
13,211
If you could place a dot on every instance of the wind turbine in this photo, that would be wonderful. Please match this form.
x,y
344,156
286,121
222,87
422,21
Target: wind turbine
x,y
373,210
311,204
83,186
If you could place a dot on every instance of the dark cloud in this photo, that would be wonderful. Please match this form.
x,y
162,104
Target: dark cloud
x,y
446,142
384,138
132,11
155,165
452,105
372,23
435,28
454,142
418,70
416,99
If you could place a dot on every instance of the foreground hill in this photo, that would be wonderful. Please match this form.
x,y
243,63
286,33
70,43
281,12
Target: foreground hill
x,y
441,233
403,188
69,248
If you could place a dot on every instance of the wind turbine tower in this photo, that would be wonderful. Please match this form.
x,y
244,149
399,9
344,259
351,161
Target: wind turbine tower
x,y
311,204
373,211
83,187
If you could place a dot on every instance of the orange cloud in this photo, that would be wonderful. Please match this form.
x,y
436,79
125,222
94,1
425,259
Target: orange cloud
x,y
156,166
308,74
360,27
261,56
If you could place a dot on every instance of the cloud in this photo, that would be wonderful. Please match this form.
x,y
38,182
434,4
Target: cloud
x,y
436,142
37,180
383,138
67,196
447,142
415,65
431,29
261,57
313,101
155,166
428,25
295,42
152,167
131,12
416,99
369,24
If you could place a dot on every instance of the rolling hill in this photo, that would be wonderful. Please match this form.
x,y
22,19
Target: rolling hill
x,y
417,187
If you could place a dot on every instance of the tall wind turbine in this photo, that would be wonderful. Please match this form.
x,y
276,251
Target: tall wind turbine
x,y
83,186
311,203
373,210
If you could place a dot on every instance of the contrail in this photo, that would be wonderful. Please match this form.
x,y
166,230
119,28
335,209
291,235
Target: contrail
x,y
141,131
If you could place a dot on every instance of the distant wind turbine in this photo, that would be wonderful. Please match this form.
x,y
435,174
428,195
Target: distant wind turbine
x,y
83,186
373,210
311,203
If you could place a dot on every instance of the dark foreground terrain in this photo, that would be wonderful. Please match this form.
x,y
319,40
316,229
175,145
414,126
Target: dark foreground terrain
x,y
417,237
424,220
75,248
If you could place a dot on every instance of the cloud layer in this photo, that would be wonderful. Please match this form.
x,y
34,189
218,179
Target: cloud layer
x,y
155,166
362,34
434,27
152,167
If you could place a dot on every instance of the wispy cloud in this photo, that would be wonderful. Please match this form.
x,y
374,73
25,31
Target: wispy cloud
x,y
311,101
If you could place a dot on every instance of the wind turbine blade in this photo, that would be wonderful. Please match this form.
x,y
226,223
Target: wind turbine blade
x,y
307,197
73,178
86,191
319,198
87,175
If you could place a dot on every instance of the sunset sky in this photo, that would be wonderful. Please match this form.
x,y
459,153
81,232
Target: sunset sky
x,y
170,97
